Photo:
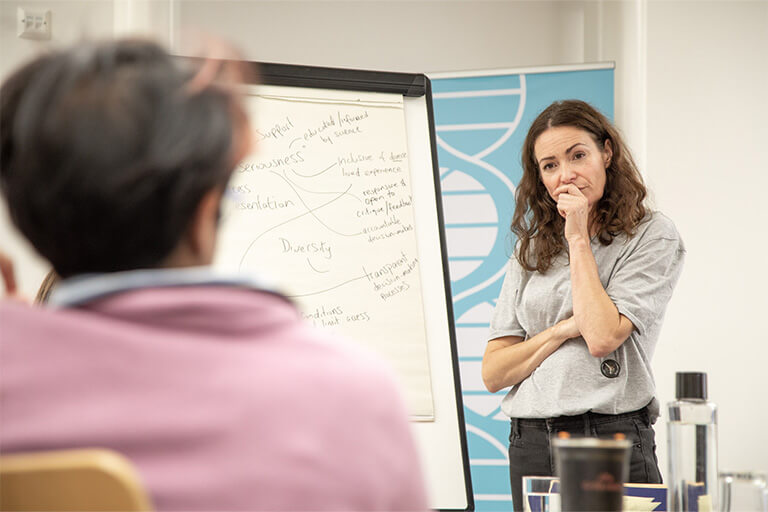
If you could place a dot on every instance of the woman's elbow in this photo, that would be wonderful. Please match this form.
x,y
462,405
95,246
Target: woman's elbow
x,y
603,346
490,380
598,351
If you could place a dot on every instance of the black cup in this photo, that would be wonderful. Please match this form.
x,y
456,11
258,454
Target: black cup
x,y
592,473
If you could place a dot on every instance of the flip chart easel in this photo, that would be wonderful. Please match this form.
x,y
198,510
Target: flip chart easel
x,y
340,204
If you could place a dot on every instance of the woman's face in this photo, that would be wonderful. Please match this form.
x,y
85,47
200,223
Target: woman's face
x,y
567,154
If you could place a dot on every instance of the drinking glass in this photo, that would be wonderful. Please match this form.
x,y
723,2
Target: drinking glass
x,y
592,473
541,494
743,490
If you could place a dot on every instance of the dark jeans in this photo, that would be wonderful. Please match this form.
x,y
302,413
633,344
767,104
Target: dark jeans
x,y
530,451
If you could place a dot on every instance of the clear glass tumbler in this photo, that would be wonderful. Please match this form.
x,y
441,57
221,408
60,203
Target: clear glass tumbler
x,y
743,491
541,494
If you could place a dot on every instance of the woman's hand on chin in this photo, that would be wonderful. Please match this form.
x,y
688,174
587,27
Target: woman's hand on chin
x,y
572,204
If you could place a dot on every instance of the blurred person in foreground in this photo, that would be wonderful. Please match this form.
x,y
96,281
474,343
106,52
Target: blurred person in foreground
x,y
114,160
10,287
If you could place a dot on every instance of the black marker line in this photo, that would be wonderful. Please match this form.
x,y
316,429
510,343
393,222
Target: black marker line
x,y
313,268
316,174
328,289
318,191
311,212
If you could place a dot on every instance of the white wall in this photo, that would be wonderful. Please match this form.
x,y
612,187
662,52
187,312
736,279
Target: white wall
x,y
70,20
691,98
707,130
389,35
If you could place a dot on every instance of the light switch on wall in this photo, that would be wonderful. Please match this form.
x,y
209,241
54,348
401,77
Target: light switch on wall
x,y
33,23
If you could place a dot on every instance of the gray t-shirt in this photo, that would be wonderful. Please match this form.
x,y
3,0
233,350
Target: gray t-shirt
x,y
638,274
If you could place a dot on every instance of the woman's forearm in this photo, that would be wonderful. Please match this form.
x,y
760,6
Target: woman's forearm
x,y
597,318
509,360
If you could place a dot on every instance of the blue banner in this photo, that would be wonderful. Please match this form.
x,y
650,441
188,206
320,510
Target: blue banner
x,y
481,122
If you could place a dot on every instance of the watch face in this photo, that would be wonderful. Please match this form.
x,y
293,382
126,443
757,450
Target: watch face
x,y
610,368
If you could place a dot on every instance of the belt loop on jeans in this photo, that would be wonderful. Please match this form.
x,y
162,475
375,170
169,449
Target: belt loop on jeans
x,y
515,427
587,432
646,416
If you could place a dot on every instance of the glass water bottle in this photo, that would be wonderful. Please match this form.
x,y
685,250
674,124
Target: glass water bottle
x,y
692,449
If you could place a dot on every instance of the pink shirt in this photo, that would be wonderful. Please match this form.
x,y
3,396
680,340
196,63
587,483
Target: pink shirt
x,y
220,396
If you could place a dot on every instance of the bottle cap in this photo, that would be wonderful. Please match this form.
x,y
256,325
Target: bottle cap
x,y
691,385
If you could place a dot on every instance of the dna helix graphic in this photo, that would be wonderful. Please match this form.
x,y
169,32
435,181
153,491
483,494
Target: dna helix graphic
x,y
477,145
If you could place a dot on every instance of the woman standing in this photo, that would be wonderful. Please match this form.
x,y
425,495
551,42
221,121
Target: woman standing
x,y
583,300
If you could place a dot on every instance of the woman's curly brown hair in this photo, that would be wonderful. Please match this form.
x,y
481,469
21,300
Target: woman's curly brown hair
x,y
536,222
